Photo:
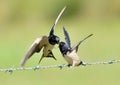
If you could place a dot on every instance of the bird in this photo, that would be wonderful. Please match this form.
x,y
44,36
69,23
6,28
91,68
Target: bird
x,y
70,53
46,43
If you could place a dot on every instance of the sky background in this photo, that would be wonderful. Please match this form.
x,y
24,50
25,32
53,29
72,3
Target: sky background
x,y
22,21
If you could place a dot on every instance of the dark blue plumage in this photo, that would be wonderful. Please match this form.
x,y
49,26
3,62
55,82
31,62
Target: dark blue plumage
x,y
70,53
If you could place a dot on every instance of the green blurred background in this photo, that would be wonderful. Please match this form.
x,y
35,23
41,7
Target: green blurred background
x,y
22,21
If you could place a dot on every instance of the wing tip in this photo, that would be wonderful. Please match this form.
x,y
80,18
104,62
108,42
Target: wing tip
x,y
64,28
53,27
64,7
90,35
65,31
22,63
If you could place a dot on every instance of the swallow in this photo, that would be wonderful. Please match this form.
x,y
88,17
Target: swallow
x,y
46,43
70,53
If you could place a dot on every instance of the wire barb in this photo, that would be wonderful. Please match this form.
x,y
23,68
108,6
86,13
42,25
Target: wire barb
x,y
60,66
106,62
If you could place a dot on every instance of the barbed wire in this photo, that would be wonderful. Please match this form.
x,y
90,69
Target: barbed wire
x,y
60,66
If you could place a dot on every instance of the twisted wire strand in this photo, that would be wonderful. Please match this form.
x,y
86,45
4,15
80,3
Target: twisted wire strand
x,y
60,66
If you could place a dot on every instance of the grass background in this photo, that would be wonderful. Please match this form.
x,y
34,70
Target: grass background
x,y
22,21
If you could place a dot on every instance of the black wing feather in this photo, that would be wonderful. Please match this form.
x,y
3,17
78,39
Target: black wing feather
x,y
67,38
58,17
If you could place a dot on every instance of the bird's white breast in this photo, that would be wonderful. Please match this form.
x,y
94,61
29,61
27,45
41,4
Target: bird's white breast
x,y
72,57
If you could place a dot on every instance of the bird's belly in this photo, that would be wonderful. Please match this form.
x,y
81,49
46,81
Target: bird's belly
x,y
47,49
68,59
72,58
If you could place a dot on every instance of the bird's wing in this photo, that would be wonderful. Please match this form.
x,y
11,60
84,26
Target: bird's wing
x,y
75,47
35,47
58,17
67,38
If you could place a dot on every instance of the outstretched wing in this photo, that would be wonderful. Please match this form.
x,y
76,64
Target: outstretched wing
x,y
35,47
67,38
53,27
75,47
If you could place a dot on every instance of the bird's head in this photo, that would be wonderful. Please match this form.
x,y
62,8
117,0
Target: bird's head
x,y
53,39
64,48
